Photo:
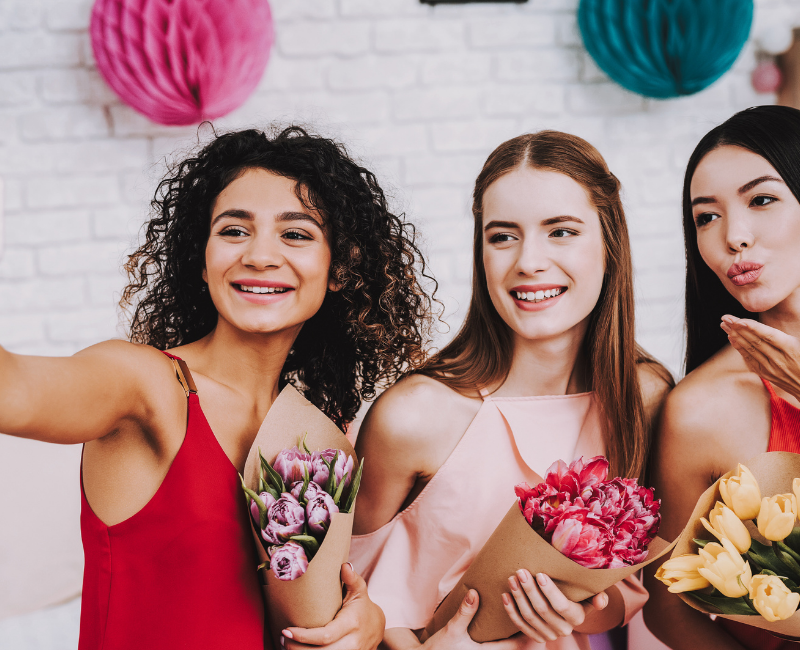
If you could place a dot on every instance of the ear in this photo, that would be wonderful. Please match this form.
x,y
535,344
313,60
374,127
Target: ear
x,y
334,284
204,275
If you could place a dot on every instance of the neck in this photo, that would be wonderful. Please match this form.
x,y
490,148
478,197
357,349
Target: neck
x,y
785,316
249,363
551,366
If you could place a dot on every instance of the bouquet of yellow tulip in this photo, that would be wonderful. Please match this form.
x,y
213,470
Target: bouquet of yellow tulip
x,y
752,566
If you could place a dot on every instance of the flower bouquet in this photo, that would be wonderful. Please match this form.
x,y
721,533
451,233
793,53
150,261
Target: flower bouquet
x,y
301,478
749,571
586,532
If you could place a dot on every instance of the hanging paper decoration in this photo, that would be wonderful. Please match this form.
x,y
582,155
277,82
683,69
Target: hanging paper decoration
x,y
665,48
182,61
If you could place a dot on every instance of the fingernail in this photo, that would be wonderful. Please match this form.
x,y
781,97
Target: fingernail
x,y
522,575
283,643
350,564
470,597
514,584
506,599
605,600
288,634
541,578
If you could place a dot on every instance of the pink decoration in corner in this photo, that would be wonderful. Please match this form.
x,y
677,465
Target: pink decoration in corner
x,y
179,62
767,77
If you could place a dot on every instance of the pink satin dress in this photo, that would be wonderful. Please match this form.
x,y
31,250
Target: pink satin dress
x,y
416,559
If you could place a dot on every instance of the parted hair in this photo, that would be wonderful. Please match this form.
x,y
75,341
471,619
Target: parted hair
x,y
481,353
366,334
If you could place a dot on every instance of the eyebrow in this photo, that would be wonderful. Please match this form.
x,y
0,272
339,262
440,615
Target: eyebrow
x,y
246,215
701,200
546,222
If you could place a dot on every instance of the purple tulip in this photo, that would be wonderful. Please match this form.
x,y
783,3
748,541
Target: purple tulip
x,y
311,490
267,499
290,463
318,512
319,470
288,561
285,518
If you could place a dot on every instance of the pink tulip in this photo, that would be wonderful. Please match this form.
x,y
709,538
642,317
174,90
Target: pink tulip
x,y
288,562
319,510
320,472
312,489
290,464
285,518
267,499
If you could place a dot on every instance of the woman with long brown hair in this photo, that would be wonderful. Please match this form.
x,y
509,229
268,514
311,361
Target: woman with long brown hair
x,y
270,259
545,367
741,396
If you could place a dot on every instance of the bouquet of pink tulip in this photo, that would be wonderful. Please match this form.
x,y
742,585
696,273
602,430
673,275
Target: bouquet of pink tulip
x,y
600,524
586,532
297,498
749,571
300,500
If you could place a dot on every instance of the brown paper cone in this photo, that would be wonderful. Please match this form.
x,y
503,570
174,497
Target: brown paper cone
x,y
774,472
313,599
515,545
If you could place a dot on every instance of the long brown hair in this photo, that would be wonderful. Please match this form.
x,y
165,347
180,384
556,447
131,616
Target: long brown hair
x,y
482,351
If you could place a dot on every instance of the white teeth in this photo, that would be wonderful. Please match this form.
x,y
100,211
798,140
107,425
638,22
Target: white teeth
x,y
537,296
261,289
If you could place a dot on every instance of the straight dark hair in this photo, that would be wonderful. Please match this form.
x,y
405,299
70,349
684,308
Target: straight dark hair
x,y
772,132
481,353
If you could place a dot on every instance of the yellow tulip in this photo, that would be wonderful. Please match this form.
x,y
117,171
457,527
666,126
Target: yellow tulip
x,y
796,489
776,517
741,494
680,574
724,568
773,599
725,524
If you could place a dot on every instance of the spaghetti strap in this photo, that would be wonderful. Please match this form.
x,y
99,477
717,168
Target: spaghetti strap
x,y
183,375
773,395
483,392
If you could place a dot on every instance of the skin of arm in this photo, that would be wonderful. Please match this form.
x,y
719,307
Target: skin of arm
x,y
717,417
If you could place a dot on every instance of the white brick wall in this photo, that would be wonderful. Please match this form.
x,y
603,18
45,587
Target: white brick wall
x,y
421,94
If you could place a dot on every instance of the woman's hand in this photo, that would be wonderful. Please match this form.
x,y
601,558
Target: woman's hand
x,y
358,625
768,352
541,611
454,635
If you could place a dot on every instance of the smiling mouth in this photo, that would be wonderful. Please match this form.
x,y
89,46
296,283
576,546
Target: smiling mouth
x,y
537,296
249,289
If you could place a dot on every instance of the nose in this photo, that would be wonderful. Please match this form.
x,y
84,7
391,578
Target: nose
x,y
739,235
262,252
532,258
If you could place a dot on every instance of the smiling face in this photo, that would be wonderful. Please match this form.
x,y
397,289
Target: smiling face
x,y
267,258
542,252
748,226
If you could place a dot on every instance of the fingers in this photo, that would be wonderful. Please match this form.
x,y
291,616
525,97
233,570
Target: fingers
x,y
463,617
599,601
756,333
356,586
523,625
543,607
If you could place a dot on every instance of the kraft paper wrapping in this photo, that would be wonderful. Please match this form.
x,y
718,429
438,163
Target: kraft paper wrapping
x,y
774,472
313,599
515,545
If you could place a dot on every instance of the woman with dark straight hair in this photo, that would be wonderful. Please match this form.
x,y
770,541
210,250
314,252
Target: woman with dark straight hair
x,y
270,259
545,367
741,397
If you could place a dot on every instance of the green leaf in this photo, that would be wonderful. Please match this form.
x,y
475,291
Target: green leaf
x,y
330,484
354,485
274,478
306,481
702,542
762,556
262,509
309,543
785,548
340,489
303,443
787,559
725,605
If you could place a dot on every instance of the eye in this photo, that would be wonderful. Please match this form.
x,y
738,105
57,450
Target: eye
x,y
233,231
297,235
705,218
501,238
560,233
760,201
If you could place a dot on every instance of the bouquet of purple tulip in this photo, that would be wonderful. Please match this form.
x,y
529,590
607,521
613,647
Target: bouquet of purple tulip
x,y
297,498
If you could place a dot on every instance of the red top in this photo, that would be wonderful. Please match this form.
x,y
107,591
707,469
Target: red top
x,y
784,435
181,572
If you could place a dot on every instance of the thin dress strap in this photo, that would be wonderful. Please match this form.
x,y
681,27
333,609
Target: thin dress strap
x,y
183,375
484,393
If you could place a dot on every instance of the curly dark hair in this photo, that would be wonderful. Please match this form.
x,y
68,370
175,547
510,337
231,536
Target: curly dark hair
x,y
365,335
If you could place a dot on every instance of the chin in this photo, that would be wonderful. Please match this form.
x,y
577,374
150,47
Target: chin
x,y
757,301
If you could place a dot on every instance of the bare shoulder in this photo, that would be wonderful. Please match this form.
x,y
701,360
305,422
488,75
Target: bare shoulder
x,y
417,416
720,411
655,382
134,361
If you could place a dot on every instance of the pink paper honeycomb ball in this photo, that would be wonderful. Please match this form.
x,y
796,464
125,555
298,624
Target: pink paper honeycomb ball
x,y
767,77
179,62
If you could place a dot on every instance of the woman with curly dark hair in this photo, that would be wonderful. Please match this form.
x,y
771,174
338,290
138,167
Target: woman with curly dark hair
x,y
269,259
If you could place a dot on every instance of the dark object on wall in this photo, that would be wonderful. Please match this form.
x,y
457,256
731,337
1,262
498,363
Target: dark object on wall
x,y
665,48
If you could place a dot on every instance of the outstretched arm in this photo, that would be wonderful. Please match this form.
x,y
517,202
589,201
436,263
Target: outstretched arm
x,y
80,398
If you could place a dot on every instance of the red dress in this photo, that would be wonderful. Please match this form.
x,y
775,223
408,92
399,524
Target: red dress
x,y
784,435
180,573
